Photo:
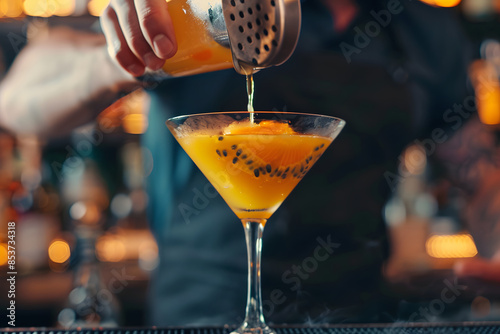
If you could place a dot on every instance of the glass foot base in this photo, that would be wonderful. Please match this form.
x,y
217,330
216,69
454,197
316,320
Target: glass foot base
x,y
246,329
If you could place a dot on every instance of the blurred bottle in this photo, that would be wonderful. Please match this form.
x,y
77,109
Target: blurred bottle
x,y
90,303
408,214
485,77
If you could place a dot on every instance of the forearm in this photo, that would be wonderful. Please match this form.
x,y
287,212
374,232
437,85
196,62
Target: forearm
x,y
69,91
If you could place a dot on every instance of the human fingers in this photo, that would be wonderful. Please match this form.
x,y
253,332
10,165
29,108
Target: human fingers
x,y
118,48
128,19
157,28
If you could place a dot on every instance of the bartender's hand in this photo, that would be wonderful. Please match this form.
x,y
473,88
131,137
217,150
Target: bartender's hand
x,y
139,34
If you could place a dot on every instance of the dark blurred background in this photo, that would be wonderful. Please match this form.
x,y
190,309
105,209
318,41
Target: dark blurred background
x,y
79,202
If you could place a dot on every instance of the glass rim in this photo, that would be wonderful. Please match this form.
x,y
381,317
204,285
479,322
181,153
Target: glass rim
x,y
340,120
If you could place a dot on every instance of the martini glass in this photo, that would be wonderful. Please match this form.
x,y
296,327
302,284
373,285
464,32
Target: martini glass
x,y
254,163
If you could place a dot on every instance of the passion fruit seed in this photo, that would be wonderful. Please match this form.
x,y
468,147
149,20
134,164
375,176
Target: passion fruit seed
x,y
297,170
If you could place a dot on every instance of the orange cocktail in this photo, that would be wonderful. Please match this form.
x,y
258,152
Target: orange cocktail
x,y
254,160
254,166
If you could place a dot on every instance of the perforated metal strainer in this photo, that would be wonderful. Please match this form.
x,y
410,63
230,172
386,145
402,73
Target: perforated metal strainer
x,y
262,33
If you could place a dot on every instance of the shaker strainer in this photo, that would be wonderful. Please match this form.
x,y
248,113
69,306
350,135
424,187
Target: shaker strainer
x,y
262,33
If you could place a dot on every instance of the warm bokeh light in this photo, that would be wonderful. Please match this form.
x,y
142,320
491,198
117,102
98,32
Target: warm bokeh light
x,y
447,3
481,307
96,7
488,105
110,248
59,251
46,8
451,246
126,245
415,159
64,7
442,3
11,8
3,254
135,123
484,78
36,8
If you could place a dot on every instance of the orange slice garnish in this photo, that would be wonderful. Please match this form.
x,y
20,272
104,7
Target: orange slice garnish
x,y
262,128
276,151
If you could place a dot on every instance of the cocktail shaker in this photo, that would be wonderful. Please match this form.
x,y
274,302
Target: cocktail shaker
x,y
218,34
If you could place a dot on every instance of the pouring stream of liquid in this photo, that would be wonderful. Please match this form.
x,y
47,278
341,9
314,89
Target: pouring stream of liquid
x,y
250,89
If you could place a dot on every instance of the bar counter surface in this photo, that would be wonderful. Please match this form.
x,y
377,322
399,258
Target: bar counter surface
x,y
391,328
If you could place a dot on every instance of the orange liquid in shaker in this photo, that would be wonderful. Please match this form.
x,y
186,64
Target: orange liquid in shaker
x,y
197,51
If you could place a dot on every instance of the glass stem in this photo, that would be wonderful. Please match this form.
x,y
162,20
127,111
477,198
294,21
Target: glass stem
x,y
253,234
